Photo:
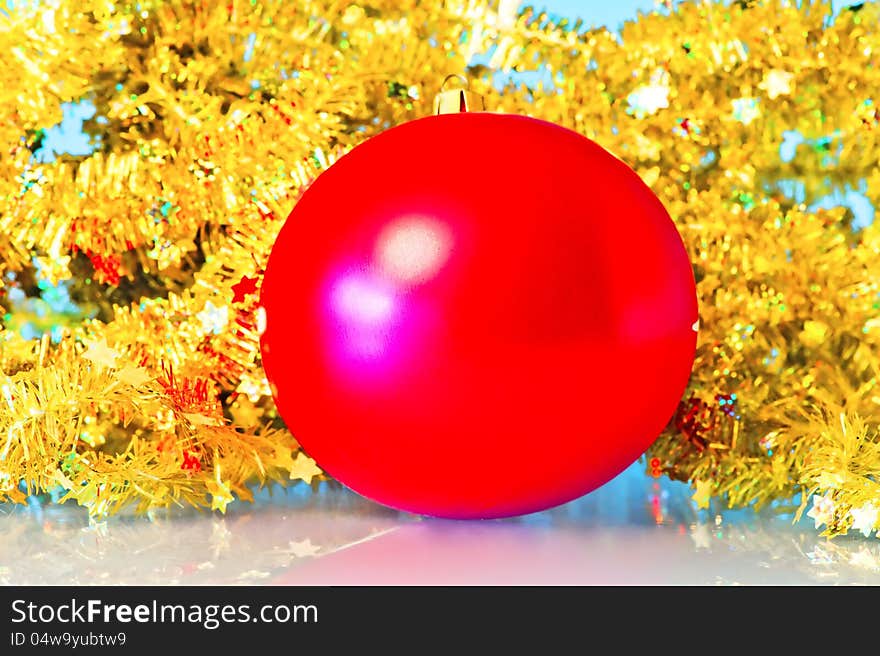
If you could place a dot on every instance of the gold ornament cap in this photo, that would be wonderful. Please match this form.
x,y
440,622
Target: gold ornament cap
x,y
458,99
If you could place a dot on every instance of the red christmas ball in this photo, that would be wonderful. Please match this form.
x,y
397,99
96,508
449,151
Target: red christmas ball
x,y
478,315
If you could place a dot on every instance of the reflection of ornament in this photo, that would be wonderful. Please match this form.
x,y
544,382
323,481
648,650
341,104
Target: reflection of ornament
x,y
702,493
302,548
864,518
460,353
865,559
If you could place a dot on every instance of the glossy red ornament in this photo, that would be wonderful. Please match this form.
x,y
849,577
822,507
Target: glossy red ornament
x,y
478,315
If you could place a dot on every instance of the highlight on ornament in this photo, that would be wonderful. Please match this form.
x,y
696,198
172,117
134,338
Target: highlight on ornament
x,y
468,313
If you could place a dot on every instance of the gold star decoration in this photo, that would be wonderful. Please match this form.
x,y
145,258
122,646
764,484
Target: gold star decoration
x,y
702,494
650,98
198,419
776,83
865,518
245,412
98,352
304,468
134,376
221,495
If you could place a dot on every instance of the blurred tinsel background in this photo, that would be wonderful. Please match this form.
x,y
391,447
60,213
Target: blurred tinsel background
x,y
130,369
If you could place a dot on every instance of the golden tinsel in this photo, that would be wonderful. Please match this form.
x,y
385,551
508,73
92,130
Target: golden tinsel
x,y
213,117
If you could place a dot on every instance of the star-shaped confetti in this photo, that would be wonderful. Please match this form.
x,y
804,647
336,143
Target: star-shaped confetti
x,y
198,419
776,83
703,493
98,352
284,458
243,288
134,376
864,518
822,511
244,412
304,468
213,318
221,495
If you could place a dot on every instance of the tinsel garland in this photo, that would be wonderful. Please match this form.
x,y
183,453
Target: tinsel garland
x,y
212,117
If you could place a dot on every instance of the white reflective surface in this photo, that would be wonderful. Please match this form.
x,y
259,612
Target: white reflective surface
x,y
635,530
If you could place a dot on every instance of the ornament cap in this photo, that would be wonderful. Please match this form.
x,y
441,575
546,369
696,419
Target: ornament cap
x,y
460,99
